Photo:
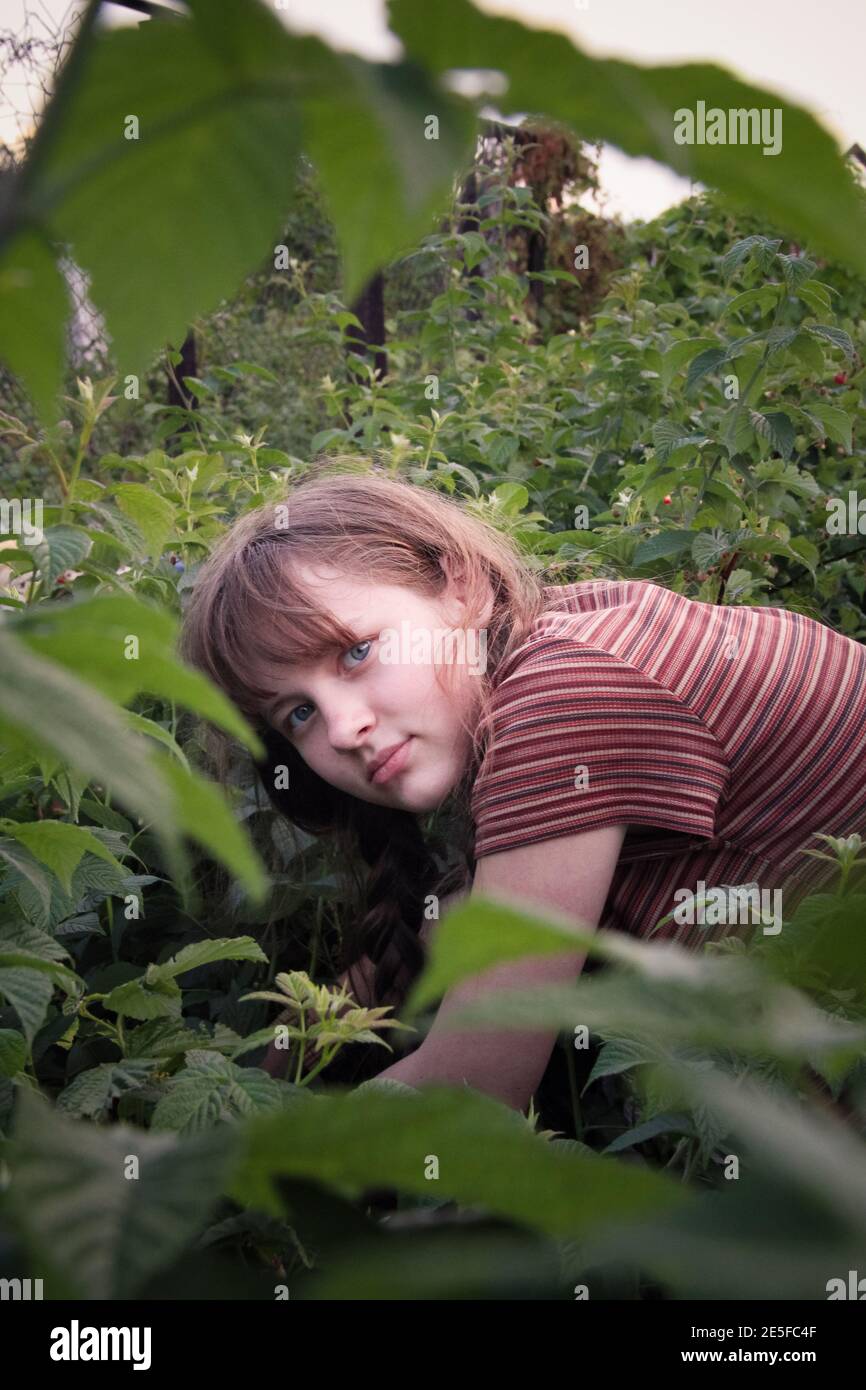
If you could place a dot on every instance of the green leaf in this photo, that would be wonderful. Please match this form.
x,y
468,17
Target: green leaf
x,y
153,515
816,295
92,638
795,271
34,304
837,423
13,1051
809,553
667,996
207,952
510,498
211,1090
61,548
670,438
781,432
662,547
103,1209
475,249
805,189
225,99
487,1156
679,355
59,845
650,1129
836,336
708,549
91,1093
809,351
742,250
705,362
145,999
156,731
619,1055
29,868
163,1037
766,297
29,993
816,1152
34,689
486,933
203,811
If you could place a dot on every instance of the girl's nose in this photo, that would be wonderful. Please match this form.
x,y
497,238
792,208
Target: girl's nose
x,y
349,728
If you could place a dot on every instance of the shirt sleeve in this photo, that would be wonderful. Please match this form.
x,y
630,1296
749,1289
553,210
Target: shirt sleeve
x,y
580,739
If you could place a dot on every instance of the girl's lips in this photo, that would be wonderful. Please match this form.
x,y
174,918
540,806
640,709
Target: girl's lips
x,y
395,764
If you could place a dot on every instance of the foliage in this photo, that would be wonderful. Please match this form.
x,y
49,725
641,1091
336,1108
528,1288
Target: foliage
x,y
691,430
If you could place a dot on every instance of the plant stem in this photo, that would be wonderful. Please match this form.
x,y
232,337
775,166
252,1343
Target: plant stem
x,y
575,1102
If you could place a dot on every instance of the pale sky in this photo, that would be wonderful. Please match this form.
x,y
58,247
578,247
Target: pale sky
x,y
813,55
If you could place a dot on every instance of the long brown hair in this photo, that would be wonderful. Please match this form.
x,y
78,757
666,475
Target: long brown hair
x,y
247,609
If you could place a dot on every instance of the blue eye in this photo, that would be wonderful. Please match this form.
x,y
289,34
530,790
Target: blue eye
x,y
359,653
293,712
363,648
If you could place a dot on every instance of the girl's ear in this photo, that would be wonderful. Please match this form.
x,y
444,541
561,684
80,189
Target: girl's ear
x,y
457,592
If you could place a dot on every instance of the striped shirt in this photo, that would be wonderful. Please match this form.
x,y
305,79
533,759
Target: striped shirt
x,y
725,738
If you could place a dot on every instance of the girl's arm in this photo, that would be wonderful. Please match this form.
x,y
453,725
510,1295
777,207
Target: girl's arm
x,y
570,876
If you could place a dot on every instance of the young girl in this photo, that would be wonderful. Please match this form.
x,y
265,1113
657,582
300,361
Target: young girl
x,y
619,750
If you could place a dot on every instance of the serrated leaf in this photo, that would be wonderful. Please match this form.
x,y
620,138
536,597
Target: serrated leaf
x,y
781,432
649,1129
704,363
837,424
708,549
59,846
662,547
91,1093
207,952
617,1055
227,88
13,1051
135,999
29,993
766,297
836,336
795,271
61,548
670,437
679,355
212,1090
153,514
97,1233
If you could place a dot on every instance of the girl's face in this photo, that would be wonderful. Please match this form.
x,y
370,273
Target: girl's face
x,y
348,711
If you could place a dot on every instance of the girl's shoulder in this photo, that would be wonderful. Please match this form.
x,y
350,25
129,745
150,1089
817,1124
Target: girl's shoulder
x,y
602,615
586,728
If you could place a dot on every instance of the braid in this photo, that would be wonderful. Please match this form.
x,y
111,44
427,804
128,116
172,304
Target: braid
x,y
401,867
402,871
